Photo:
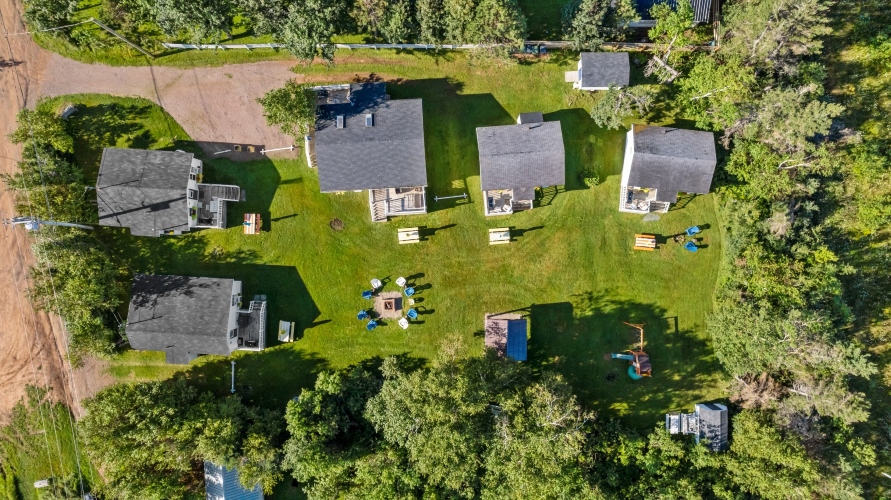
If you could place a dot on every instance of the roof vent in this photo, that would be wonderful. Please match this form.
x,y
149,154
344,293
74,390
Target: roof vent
x,y
339,121
369,120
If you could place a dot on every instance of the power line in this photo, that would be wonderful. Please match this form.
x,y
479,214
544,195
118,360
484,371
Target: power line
x,y
49,29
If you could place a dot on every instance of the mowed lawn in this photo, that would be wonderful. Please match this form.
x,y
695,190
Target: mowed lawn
x,y
570,268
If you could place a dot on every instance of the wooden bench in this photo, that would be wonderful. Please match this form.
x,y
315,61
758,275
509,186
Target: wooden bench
x,y
499,235
409,235
645,242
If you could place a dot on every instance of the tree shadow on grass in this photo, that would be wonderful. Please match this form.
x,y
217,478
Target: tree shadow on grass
x,y
588,145
450,122
573,338
104,125
269,378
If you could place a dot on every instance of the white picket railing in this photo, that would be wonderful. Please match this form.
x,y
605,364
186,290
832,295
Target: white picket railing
x,y
413,46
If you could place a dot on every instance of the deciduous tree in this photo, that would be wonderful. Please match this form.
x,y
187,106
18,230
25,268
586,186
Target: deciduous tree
x,y
616,104
292,108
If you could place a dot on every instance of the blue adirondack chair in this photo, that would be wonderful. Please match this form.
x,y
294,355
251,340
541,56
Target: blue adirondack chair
x,y
409,291
362,315
371,325
691,246
693,230
412,313
366,294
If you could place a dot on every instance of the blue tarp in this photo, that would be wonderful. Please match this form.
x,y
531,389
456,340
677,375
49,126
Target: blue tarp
x,y
516,340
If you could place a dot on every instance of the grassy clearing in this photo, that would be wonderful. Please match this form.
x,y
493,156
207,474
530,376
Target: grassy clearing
x,y
571,266
38,443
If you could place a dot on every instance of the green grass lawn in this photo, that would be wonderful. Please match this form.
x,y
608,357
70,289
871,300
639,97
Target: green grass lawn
x,y
570,267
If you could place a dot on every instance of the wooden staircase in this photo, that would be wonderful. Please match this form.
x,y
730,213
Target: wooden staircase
x,y
378,201
658,206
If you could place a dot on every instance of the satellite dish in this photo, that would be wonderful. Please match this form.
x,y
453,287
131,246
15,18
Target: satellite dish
x,y
651,217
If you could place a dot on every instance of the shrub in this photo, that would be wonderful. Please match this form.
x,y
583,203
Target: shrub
x,y
589,176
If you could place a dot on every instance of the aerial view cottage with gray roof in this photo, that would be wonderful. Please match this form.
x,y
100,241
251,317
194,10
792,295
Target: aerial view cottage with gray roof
x,y
159,192
362,140
599,70
516,159
709,422
186,317
661,162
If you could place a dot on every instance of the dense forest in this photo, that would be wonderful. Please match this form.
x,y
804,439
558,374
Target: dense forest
x,y
799,321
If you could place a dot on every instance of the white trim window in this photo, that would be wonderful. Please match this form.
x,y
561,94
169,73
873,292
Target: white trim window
x,y
233,333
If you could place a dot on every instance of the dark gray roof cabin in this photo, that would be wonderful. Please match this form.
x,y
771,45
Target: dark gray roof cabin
x,y
144,190
522,156
599,70
182,316
370,142
672,161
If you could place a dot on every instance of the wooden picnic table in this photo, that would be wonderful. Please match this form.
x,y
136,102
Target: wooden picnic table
x,y
252,224
645,242
499,235
409,235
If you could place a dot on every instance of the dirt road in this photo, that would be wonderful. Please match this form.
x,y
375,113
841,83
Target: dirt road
x,y
212,104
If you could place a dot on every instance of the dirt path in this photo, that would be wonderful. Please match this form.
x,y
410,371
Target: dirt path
x,y
212,104
215,104
31,340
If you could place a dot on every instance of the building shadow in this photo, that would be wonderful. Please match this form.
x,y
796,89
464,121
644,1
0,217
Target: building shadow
x,y
450,122
588,146
231,151
258,180
576,336
268,379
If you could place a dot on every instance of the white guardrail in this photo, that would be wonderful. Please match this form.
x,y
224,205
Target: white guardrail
x,y
422,46
414,46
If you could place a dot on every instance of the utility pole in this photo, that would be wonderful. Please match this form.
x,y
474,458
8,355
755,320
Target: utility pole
x,y
121,38
33,223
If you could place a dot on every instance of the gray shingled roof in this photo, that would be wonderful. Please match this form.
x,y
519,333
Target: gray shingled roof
x,y
602,69
521,156
179,314
143,190
672,161
388,154
713,425
536,117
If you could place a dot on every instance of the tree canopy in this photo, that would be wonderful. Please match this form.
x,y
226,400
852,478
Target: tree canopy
x,y
292,108
150,439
